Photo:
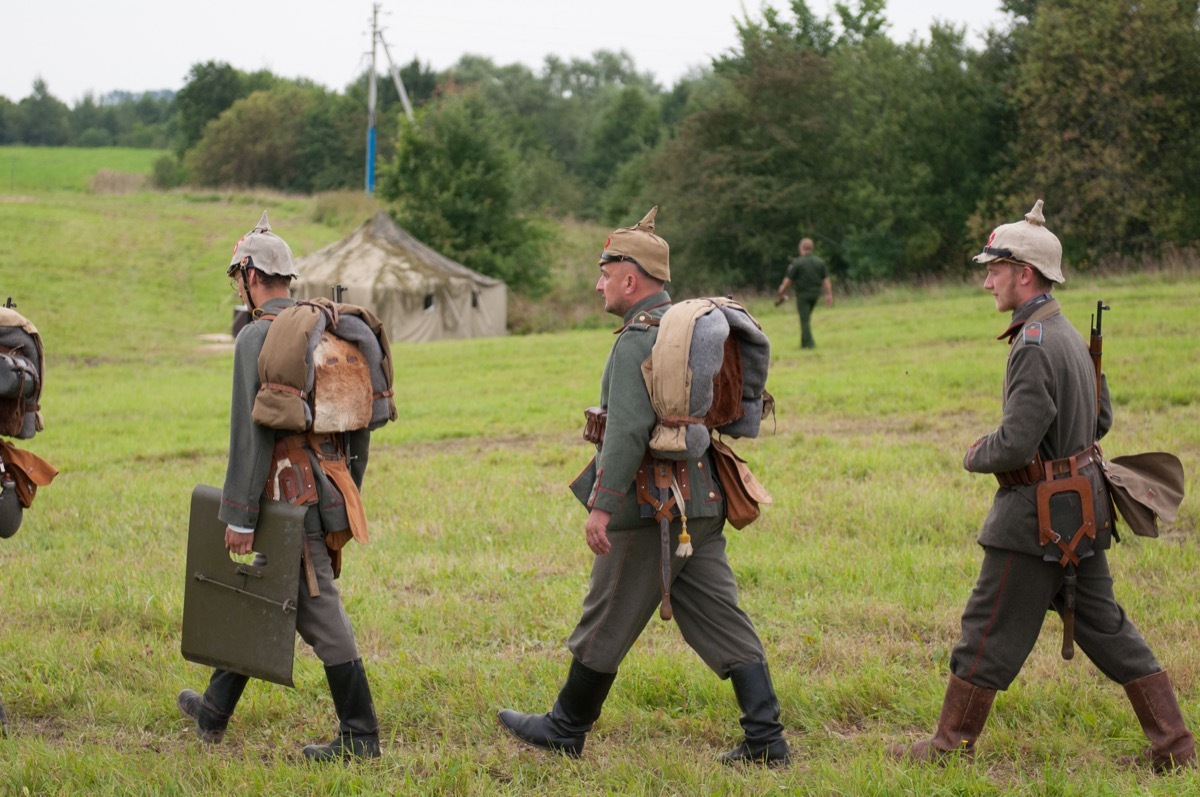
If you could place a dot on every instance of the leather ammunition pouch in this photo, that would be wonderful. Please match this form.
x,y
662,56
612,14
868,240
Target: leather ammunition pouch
x,y
291,479
595,420
653,480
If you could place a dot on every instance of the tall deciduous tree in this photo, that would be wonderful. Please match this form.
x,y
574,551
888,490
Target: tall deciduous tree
x,y
912,155
211,87
746,171
452,186
1105,95
256,141
826,128
628,124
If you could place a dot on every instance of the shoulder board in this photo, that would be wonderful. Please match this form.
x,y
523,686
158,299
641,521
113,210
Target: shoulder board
x,y
640,322
1031,334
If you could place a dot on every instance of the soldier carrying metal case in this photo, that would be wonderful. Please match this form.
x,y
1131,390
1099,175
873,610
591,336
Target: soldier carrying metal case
x,y
296,461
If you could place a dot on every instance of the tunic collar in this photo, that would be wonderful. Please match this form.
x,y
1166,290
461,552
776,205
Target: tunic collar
x,y
272,307
1023,313
651,302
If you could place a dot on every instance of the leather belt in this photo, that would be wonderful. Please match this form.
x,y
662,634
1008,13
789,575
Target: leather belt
x,y
1035,471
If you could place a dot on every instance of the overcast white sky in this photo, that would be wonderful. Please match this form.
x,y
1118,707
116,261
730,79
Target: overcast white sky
x,y
139,45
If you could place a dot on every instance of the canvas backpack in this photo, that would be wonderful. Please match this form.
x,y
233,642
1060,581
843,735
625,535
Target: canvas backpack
x,y
22,364
22,367
707,370
325,367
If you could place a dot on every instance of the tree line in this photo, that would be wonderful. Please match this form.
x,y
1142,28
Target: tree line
x,y
896,158
123,119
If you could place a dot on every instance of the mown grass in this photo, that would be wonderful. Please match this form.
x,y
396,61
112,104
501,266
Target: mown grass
x,y
30,170
855,577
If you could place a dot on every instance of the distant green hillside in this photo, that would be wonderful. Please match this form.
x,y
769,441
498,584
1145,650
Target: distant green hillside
x,y
24,169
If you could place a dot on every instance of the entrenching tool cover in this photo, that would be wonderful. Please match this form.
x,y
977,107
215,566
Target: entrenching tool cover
x,y
242,617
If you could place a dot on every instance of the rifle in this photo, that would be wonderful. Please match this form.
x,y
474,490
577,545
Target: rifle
x,y
337,292
1096,349
1096,345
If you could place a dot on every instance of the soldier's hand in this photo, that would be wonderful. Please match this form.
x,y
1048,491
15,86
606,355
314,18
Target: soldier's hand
x,y
780,299
597,532
238,542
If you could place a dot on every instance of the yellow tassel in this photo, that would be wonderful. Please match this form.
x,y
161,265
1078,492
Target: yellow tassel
x,y
685,540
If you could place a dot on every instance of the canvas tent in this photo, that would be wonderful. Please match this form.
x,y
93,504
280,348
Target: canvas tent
x,y
419,294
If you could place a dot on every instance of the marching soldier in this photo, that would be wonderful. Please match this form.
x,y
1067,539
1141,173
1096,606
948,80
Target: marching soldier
x,y
261,271
1050,523
625,580
22,369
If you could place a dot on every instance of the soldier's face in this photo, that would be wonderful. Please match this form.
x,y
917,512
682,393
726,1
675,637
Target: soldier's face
x,y
1003,280
613,285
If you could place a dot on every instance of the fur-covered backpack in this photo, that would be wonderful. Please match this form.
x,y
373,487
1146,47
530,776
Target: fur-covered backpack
x,y
708,371
325,367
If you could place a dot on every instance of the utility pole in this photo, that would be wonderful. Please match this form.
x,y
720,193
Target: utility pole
x,y
372,94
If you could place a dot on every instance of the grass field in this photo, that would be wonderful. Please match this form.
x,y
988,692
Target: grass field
x,y
855,577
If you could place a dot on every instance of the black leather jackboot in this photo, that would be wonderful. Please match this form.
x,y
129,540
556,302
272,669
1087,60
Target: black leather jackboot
x,y
212,710
564,729
764,742
358,728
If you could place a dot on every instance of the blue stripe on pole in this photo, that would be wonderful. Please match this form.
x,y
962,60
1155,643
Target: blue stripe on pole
x,y
371,161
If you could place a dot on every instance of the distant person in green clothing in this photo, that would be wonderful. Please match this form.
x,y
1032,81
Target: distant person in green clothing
x,y
810,277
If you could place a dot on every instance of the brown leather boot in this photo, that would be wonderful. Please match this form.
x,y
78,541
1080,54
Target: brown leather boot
x,y
964,711
1171,743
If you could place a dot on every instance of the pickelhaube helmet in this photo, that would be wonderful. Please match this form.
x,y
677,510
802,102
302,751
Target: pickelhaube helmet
x,y
264,250
639,244
1028,242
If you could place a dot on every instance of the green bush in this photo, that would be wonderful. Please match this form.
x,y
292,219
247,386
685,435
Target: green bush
x,y
95,137
168,172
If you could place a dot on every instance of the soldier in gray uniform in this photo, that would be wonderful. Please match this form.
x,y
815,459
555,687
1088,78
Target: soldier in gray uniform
x,y
1046,441
625,579
261,270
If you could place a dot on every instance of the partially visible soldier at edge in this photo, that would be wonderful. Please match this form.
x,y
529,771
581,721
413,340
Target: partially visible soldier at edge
x,y
261,271
625,579
22,372
809,278
1050,423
